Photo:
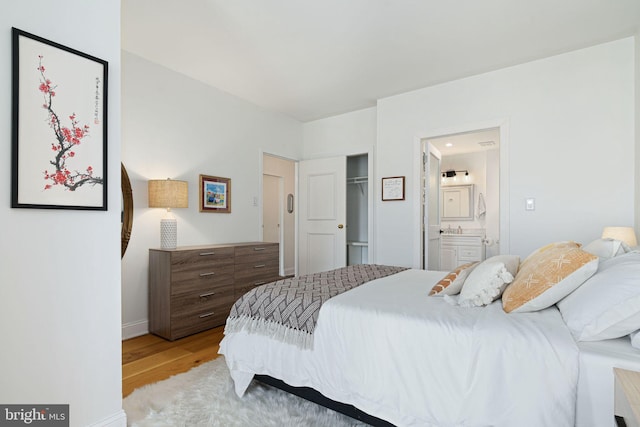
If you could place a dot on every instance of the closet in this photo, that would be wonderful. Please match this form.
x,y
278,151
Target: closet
x,y
357,209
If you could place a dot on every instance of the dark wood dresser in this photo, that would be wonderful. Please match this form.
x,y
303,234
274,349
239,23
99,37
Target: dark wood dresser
x,y
192,288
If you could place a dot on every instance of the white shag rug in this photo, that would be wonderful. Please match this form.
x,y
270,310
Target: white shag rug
x,y
204,396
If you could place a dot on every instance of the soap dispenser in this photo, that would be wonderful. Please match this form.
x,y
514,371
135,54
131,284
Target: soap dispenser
x,y
459,230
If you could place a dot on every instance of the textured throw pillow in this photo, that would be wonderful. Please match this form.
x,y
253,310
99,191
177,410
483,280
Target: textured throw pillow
x,y
452,282
547,277
607,248
487,281
607,305
564,244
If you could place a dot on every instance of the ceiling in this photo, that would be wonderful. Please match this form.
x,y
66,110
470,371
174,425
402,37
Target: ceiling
x,y
314,59
469,142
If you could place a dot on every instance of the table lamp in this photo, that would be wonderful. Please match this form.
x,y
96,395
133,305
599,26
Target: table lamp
x,y
626,234
168,193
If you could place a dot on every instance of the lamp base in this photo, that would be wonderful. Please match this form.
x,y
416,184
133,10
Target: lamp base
x,y
168,233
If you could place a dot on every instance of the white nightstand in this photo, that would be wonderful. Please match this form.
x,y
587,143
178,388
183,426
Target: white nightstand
x,y
627,397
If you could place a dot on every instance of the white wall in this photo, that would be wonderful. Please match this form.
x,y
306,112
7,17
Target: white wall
x,y
177,127
570,145
60,269
350,133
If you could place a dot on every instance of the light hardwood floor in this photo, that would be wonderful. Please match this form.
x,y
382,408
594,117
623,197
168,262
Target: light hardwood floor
x,y
148,358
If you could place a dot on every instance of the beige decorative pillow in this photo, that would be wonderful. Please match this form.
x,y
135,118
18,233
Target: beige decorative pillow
x,y
554,245
549,274
452,282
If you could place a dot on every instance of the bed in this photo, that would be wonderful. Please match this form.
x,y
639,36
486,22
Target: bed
x,y
399,356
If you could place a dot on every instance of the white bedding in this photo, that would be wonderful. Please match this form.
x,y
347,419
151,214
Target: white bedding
x,y
395,353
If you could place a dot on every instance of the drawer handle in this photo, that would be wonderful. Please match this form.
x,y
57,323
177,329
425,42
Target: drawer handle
x,y
258,249
208,294
207,253
260,266
207,274
202,316
259,283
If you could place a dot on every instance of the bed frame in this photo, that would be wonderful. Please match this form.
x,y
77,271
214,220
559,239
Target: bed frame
x,y
318,398
596,384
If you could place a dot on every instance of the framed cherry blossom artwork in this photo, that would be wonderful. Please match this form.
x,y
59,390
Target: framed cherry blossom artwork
x,y
215,194
59,135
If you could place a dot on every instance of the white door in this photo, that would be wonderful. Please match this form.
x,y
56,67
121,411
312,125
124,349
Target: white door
x,y
271,208
322,214
432,209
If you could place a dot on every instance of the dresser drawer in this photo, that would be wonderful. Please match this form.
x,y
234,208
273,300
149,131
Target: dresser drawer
x,y
196,263
197,311
259,252
256,264
203,279
260,271
194,323
243,288
203,302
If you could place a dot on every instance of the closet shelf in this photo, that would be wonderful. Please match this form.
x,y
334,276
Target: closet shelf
x,y
356,243
357,180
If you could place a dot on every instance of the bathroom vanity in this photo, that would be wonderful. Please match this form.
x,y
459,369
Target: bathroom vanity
x,y
457,249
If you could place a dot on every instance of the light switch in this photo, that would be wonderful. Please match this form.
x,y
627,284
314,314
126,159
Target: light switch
x,y
530,204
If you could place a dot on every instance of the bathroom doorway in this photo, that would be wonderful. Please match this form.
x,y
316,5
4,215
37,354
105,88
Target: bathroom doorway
x,y
468,159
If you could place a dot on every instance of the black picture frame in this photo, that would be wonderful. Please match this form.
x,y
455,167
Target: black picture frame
x,y
59,126
393,188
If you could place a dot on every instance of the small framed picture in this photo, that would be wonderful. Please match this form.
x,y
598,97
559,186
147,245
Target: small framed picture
x,y
215,194
393,188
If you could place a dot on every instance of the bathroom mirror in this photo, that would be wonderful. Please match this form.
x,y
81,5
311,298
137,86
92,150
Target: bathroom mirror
x,y
456,202
126,215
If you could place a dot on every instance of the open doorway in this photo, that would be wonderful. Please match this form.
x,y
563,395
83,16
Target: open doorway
x,y
272,204
278,215
462,206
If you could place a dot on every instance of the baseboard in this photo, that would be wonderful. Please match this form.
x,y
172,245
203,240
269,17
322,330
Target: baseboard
x,y
135,329
116,420
289,271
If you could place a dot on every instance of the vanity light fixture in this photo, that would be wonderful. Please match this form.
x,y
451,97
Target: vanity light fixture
x,y
453,173
168,193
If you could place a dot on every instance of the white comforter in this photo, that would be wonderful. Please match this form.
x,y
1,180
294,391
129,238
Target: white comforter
x,y
395,353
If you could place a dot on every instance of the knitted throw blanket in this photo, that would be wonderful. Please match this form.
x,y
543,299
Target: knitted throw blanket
x,y
288,309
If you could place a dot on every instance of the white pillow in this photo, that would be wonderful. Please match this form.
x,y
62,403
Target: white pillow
x,y
487,281
607,305
606,248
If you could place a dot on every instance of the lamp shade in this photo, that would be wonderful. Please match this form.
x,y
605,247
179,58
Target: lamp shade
x,y
168,193
626,234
